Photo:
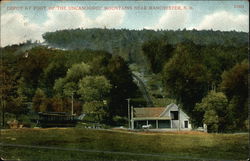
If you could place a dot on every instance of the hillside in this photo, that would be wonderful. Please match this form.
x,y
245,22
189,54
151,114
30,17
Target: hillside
x,y
128,43
191,68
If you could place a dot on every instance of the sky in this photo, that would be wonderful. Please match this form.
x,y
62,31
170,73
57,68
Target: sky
x,y
28,20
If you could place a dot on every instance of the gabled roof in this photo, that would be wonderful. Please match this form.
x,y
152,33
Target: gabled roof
x,y
148,112
168,108
152,113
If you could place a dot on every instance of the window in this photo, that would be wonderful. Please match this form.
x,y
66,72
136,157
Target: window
x,y
185,124
174,115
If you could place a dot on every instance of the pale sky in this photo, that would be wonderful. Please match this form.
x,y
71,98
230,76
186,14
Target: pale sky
x,y
24,20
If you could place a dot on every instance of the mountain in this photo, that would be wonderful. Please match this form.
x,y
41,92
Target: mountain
x,y
128,43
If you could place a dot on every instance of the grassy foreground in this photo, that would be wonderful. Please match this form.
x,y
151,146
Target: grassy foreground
x,y
88,144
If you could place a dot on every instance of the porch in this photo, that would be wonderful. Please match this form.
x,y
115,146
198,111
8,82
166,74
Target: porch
x,y
156,123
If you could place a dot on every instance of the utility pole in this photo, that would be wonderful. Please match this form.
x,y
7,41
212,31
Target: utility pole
x,y
72,103
132,117
3,113
3,102
179,117
128,112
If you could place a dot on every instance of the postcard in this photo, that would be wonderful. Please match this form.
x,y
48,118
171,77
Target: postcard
x,y
124,80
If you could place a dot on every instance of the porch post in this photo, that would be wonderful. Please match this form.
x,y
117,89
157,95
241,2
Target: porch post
x,y
156,124
132,124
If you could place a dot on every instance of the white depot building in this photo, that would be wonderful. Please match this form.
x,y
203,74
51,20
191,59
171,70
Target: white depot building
x,y
170,117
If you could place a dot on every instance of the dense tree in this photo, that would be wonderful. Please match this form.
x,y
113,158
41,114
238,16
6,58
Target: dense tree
x,y
211,119
186,79
219,59
94,91
12,98
32,65
77,72
157,52
97,110
58,86
69,84
40,101
235,85
85,88
122,86
216,113
128,43
193,70
93,88
18,104
99,64
57,104
7,83
235,81
53,71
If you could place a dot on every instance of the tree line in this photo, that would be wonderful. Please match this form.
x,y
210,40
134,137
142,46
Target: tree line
x,y
208,81
48,78
128,43
204,71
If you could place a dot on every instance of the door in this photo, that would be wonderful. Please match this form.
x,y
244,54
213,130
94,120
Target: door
x,y
185,124
164,123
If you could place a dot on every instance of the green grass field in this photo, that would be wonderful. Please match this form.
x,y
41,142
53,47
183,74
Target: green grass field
x,y
89,144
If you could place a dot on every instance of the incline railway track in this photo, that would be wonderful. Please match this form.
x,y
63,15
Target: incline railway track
x,y
143,89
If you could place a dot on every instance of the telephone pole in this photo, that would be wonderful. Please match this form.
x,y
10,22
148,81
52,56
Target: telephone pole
x,y
179,117
72,103
128,112
3,112
132,117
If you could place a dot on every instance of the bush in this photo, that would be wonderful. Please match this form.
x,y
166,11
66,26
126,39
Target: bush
x,y
120,120
25,120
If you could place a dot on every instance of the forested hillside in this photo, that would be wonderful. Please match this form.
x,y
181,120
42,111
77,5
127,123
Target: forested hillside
x,y
208,80
99,82
127,43
205,72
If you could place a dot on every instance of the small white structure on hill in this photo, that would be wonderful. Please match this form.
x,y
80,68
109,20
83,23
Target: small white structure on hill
x,y
170,117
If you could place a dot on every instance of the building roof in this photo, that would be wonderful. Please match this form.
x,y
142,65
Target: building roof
x,y
152,118
148,112
155,113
